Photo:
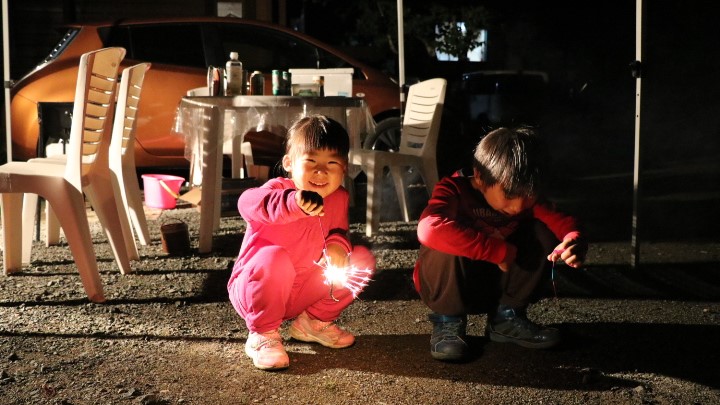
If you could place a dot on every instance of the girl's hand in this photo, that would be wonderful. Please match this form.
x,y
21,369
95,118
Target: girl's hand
x,y
571,250
310,202
335,255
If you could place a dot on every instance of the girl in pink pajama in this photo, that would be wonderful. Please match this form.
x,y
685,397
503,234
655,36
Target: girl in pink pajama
x,y
278,275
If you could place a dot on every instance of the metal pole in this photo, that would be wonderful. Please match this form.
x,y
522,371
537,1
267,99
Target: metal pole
x,y
401,56
637,73
7,84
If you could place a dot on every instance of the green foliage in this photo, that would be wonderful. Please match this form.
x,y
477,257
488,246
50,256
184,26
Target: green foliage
x,y
376,23
450,38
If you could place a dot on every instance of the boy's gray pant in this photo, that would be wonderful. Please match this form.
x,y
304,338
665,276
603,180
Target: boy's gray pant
x,y
455,285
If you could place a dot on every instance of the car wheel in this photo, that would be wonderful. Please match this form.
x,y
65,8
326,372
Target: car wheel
x,y
386,136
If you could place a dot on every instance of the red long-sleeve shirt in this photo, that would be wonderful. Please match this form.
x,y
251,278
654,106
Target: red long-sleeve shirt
x,y
273,216
459,221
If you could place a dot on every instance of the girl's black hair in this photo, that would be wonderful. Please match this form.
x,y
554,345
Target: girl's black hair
x,y
316,132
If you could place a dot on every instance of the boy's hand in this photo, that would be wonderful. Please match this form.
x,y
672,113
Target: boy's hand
x,y
510,256
310,202
571,250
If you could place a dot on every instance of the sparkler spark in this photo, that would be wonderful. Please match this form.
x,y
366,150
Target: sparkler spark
x,y
350,277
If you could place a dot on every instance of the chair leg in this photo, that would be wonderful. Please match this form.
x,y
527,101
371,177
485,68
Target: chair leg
x,y
429,172
52,226
29,211
396,174
236,158
11,225
247,158
374,196
124,218
101,195
349,184
77,232
196,164
135,210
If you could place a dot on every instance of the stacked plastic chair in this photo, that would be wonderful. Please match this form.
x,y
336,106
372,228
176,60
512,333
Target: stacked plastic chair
x,y
89,135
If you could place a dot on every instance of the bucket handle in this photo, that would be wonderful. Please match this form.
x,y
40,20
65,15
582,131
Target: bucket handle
x,y
167,188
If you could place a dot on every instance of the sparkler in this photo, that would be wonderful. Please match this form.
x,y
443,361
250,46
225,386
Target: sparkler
x,y
350,277
552,273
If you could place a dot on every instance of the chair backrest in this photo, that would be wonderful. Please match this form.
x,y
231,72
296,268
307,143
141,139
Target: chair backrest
x,y
423,111
198,91
92,112
123,134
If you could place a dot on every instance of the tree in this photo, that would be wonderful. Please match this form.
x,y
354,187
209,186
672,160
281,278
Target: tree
x,y
439,29
374,23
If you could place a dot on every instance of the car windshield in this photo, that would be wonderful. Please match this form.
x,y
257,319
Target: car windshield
x,y
173,44
60,46
266,49
209,44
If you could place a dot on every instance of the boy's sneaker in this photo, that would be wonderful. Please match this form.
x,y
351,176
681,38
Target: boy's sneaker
x,y
447,341
512,326
266,350
327,334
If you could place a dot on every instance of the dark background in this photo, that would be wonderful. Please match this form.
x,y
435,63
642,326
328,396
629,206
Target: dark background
x,y
588,115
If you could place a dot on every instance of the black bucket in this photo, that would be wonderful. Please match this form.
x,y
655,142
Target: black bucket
x,y
175,238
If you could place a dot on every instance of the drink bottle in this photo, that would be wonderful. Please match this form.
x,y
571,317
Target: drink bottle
x,y
319,82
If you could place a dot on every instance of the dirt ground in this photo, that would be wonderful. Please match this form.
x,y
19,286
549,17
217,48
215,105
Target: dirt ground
x,y
168,335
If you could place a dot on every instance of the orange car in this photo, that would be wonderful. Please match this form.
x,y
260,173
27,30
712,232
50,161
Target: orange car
x,y
180,51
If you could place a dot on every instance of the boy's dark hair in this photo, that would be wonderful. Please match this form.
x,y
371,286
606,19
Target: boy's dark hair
x,y
317,132
514,158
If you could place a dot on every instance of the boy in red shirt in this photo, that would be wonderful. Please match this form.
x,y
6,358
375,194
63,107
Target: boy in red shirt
x,y
487,243
295,225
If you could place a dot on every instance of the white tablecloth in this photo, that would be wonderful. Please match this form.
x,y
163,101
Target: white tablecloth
x,y
213,124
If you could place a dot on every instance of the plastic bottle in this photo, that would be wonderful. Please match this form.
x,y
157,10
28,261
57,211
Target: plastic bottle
x,y
286,83
257,83
234,76
319,85
277,87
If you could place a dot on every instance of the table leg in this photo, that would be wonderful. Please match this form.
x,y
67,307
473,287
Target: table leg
x,y
212,178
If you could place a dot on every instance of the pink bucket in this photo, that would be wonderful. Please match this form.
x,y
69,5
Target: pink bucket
x,y
161,190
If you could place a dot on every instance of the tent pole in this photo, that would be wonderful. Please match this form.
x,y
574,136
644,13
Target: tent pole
x,y
7,83
401,56
637,73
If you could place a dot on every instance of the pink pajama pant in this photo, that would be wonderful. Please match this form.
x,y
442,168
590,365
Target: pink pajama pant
x,y
269,289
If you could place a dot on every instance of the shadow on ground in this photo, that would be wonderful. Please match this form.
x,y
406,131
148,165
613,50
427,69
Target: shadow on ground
x,y
597,350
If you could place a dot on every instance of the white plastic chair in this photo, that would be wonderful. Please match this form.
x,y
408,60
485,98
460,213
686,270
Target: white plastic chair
x,y
121,160
418,142
122,156
90,132
98,184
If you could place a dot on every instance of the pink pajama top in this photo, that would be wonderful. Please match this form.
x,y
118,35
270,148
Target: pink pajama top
x,y
272,215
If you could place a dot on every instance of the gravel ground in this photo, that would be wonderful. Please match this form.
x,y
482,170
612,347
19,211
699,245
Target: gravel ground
x,y
168,335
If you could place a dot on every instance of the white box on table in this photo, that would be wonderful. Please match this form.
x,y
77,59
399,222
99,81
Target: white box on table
x,y
338,82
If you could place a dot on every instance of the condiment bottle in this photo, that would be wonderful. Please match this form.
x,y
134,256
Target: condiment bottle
x,y
234,82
